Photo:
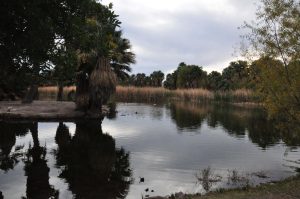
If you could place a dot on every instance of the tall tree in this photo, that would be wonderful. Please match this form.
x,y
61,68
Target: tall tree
x,y
214,80
122,57
156,78
170,82
235,75
30,31
102,48
190,76
275,35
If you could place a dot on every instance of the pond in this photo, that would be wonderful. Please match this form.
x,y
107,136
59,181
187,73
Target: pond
x,y
145,150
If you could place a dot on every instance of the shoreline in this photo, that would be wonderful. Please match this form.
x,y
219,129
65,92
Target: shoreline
x,y
285,189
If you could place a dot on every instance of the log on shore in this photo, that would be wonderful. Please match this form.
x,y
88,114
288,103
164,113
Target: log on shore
x,y
46,111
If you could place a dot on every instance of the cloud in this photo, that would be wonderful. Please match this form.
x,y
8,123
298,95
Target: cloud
x,y
164,33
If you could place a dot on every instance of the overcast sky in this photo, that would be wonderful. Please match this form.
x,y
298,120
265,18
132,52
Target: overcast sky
x,y
164,33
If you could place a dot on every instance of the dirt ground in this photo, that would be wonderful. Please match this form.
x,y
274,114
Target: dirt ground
x,y
287,189
44,110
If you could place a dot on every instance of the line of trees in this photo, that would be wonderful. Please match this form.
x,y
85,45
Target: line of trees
x,y
155,79
236,75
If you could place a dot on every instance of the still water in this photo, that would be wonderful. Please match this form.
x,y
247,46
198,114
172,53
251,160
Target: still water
x,y
145,150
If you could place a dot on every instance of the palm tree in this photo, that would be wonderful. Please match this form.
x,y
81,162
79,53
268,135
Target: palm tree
x,y
109,58
122,57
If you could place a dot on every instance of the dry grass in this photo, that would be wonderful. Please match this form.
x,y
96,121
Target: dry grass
x,y
240,95
151,94
141,94
50,92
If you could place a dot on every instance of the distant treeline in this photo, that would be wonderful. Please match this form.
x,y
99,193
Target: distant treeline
x,y
236,76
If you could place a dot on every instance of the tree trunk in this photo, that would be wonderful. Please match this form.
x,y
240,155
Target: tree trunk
x,y
60,92
34,134
82,89
32,94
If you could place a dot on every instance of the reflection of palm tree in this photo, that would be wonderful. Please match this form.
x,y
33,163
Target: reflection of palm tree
x,y
7,141
229,117
237,121
187,116
37,171
91,164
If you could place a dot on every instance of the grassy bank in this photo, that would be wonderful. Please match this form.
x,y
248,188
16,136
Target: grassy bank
x,y
151,94
287,189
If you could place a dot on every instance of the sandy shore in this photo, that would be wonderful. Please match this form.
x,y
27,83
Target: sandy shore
x,y
45,110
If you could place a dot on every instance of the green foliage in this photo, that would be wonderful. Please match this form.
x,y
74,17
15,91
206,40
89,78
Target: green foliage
x,y
235,75
171,81
44,41
142,80
190,76
122,57
275,38
214,80
156,78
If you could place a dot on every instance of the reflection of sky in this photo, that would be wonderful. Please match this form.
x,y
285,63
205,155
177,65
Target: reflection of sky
x,y
169,159
165,156
13,183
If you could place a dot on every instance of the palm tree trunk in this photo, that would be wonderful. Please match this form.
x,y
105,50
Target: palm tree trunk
x,y
32,94
82,91
60,92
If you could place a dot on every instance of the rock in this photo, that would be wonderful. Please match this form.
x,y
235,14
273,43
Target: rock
x,y
142,179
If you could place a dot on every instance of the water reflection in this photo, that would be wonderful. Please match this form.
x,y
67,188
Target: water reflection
x,y
237,121
187,117
112,112
9,131
78,160
37,170
90,163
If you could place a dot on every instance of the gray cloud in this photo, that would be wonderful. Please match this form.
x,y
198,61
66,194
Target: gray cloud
x,y
164,33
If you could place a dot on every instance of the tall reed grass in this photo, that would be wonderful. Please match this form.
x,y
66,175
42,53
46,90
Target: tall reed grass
x,y
50,92
151,94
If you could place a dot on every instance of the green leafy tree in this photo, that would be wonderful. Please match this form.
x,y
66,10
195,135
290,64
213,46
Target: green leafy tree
x,y
190,76
140,80
235,76
30,32
65,61
170,82
156,78
275,38
214,80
